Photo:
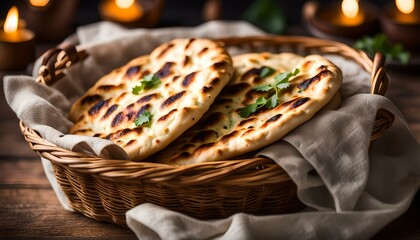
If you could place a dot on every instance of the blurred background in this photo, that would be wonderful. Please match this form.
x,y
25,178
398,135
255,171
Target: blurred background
x,y
191,13
54,20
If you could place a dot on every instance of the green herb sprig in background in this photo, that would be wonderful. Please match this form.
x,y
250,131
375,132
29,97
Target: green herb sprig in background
x,y
267,15
380,43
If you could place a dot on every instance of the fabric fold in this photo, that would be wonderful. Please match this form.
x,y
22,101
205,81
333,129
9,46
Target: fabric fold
x,y
349,196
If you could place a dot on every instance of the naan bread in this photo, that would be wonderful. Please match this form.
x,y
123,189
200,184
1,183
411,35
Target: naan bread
x,y
223,134
192,73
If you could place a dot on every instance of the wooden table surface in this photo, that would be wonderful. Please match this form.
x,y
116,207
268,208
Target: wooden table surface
x,y
30,210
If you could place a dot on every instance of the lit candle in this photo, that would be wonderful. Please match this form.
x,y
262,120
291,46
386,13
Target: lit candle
x,y
17,45
401,23
343,20
39,3
350,15
406,12
121,11
51,20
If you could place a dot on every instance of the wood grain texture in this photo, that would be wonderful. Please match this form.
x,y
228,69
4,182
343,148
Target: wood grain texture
x,y
29,208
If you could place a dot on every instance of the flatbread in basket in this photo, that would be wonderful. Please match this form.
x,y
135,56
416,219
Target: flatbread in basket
x,y
146,104
268,96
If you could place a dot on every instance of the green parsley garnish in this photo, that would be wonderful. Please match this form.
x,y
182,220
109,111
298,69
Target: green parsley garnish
x,y
266,71
144,118
149,81
282,82
251,108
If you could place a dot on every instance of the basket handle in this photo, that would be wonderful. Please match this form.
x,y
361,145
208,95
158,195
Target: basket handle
x,y
56,60
378,78
379,85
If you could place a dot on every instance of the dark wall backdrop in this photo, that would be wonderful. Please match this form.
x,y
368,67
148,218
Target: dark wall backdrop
x,y
187,12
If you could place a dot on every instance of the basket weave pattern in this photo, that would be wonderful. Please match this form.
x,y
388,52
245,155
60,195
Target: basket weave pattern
x,y
104,189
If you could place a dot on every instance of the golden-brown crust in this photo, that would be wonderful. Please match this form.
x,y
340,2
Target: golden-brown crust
x,y
223,134
192,73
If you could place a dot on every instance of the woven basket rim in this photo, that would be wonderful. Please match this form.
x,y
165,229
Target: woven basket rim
x,y
229,172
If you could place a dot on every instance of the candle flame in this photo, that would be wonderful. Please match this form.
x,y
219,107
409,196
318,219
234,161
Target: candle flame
x,y
12,19
350,8
39,3
405,6
124,3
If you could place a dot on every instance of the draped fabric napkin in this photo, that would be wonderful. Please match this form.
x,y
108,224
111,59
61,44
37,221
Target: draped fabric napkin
x,y
351,191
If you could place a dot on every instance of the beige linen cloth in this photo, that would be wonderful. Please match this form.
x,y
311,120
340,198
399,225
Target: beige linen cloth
x,y
354,193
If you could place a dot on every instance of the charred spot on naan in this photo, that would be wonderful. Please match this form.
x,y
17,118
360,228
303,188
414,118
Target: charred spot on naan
x,y
123,132
117,119
188,79
204,147
204,136
219,65
190,41
207,89
121,96
308,82
212,120
94,110
118,134
228,136
131,142
128,114
175,78
144,73
165,49
251,95
307,65
253,72
293,103
148,98
214,81
186,61
203,51
170,100
91,99
132,71
110,111
248,131
247,121
82,131
299,102
271,120
166,116
108,87
165,70
222,101
235,89
211,86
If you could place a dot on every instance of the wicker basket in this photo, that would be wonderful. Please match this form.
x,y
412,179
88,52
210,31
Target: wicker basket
x,y
105,189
